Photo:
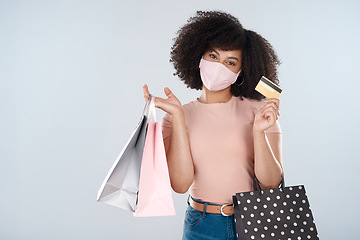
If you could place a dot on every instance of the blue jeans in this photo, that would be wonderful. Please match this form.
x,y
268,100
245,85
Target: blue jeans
x,y
199,225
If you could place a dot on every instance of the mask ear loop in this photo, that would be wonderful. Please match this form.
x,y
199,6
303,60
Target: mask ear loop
x,y
242,80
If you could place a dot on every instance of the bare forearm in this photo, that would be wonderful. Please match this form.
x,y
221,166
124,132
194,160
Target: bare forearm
x,y
267,167
181,168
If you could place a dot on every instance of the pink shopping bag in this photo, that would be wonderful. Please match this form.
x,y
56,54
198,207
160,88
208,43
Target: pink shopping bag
x,y
155,195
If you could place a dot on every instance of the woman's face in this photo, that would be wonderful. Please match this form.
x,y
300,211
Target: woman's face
x,y
231,59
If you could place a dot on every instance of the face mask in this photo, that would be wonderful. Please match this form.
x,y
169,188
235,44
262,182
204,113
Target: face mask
x,y
215,76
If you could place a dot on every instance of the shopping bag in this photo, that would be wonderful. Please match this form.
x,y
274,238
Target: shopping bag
x,y
121,184
279,213
155,195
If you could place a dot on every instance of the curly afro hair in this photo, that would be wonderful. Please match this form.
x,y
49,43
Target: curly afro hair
x,y
215,29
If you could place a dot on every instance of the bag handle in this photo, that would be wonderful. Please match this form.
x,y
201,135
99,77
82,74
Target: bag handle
x,y
258,188
149,109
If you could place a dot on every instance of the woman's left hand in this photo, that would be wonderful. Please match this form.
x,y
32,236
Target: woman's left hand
x,y
266,117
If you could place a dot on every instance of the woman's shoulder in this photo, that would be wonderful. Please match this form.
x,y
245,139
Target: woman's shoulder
x,y
192,105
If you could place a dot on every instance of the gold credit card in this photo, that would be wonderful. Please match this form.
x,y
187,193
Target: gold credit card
x,y
268,88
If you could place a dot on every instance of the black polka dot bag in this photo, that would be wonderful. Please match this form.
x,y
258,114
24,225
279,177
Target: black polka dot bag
x,y
280,213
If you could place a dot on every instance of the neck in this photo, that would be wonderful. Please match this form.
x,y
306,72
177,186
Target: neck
x,y
221,96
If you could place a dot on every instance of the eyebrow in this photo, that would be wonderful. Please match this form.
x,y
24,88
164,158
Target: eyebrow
x,y
227,57
234,58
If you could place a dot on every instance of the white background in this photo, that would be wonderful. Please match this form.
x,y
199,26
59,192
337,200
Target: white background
x,y
71,74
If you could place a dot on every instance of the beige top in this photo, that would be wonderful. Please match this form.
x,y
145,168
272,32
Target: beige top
x,y
222,146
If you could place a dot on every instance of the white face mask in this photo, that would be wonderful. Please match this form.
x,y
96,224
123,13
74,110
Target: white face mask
x,y
215,76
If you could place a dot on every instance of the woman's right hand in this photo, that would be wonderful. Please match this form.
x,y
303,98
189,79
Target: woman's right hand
x,y
170,105
177,147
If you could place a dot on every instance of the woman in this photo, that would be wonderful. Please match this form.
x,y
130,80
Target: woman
x,y
216,143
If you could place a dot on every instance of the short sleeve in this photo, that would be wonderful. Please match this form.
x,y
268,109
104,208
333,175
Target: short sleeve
x,y
166,125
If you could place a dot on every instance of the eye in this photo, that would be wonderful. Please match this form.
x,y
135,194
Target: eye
x,y
212,56
230,63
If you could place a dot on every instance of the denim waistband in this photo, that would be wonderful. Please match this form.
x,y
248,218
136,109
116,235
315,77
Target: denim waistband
x,y
205,204
200,201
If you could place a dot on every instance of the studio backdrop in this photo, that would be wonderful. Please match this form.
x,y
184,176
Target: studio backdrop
x,y
71,76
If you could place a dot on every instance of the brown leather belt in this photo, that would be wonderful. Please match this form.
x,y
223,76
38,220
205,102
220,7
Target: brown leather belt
x,y
225,210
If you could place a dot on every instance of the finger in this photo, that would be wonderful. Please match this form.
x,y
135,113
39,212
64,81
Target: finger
x,y
161,103
271,104
168,92
158,101
272,107
271,116
146,92
275,111
270,112
274,100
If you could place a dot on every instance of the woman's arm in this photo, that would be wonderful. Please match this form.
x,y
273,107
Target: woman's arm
x,y
267,146
178,154
267,155
177,148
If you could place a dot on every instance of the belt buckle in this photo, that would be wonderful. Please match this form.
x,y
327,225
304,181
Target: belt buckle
x,y
222,210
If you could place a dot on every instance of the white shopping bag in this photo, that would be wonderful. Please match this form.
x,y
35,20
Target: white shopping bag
x,y
121,185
